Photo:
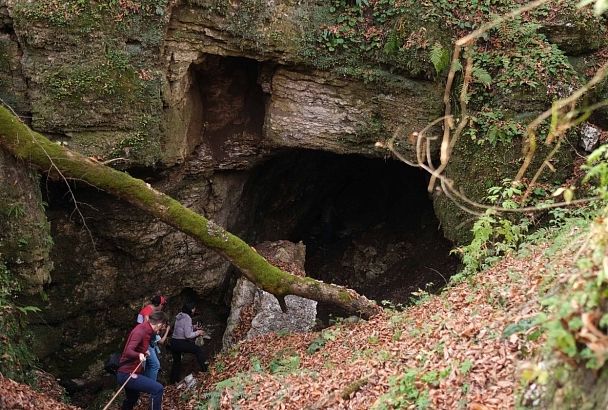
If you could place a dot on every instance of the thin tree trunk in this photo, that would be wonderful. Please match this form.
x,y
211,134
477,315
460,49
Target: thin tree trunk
x,y
28,145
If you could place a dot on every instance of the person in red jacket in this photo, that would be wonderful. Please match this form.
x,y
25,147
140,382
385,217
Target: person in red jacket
x,y
152,367
135,351
157,303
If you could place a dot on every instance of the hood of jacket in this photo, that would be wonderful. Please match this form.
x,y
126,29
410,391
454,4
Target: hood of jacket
x,y
181,316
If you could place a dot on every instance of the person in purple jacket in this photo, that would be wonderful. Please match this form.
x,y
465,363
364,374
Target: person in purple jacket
x,y
135,351
182,341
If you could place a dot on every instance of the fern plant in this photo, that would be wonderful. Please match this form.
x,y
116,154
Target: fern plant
x,y
440,57
495,235
482,76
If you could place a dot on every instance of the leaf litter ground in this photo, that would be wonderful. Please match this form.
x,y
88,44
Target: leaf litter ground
x,y
454,344
448,351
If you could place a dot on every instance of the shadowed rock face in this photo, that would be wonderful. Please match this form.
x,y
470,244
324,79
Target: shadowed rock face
x,y
227,131
105,271
25,239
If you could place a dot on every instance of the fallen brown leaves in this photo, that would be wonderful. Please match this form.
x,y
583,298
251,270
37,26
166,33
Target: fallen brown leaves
x,y
16,396
457,334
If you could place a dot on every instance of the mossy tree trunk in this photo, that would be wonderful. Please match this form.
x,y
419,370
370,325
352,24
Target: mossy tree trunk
x,y
28,145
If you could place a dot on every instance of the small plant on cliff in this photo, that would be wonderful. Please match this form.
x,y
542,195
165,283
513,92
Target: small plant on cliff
x,y
493,234
440,57
225,391
16,359
411,390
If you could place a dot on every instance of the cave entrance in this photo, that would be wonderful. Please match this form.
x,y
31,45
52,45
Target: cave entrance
x,y
367,223
226,108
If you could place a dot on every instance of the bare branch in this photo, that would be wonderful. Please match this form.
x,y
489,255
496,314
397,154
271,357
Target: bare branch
x,y
554,111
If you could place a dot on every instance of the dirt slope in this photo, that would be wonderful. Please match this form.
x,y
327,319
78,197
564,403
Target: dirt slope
x,y
454,350
448,351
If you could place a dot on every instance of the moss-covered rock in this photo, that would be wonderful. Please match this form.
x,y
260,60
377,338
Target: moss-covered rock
x,y
568,387
25,240
490,165
573,29
111,84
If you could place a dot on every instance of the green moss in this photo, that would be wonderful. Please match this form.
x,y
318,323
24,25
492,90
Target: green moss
x,y
109,80
16,358
104,90
372,130
344,296
84,16
249,18
112,83
56,13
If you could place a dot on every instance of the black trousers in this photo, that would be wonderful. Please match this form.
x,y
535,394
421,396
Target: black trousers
x,y
179,346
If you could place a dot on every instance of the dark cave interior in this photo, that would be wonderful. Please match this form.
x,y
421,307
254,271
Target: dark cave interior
x,y
367,223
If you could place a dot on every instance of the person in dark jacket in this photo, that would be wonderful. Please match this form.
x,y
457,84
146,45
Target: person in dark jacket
x,y
135,351
182,341
152,366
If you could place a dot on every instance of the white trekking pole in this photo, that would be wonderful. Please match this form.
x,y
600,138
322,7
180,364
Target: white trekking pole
x,y
123,386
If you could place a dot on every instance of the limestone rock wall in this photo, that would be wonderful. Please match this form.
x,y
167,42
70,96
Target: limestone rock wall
x,y
93,74
319,111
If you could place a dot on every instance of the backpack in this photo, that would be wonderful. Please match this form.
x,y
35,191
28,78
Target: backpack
x,y
112,364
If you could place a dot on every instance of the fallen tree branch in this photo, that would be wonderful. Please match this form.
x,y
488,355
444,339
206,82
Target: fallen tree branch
x,y
19,140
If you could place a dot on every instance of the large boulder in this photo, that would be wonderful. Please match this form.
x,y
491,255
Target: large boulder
x,y
255,312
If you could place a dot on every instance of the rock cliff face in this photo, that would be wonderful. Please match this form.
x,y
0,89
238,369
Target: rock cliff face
x,y
197,97
25,240
254,52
